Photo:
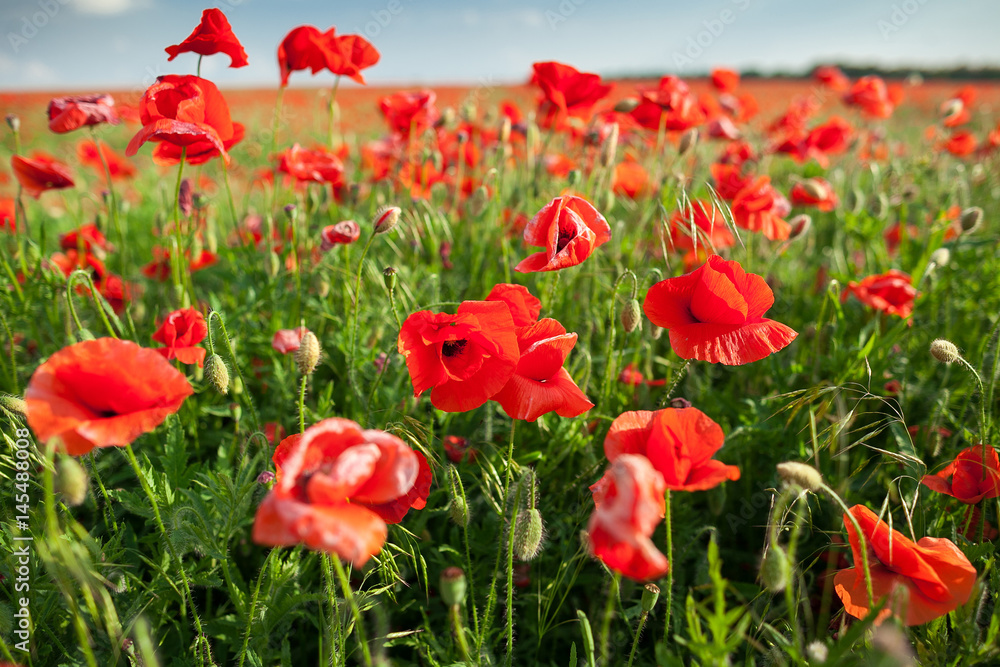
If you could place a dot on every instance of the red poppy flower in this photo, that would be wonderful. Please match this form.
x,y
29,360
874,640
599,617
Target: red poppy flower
x,y
933,571
628,506
327,481
73,259
558,165
566,93
304,47
71,113
464,358
181,332
102,393
871,95
524,306
569,228
457,449
679,442
40,172
671,106
8,214
409,113
632,376
757,208
393,511
832,77
341,233
540,384
631,179
961,143
119,166
975,475
701,224
814,192
87,237
167,154
288,340
716,314
318,165
349,54
891,293
212,35
725,80
115,291
184,111
159,268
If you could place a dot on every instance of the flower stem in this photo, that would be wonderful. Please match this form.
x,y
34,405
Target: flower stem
x,y
302,403
232,356
359,629
670,561
455,614
330,110
638,633
351,372
609,612
253,607
861,538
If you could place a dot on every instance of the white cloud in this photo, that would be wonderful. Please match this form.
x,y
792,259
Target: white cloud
x,y
107,7
36,71
531,18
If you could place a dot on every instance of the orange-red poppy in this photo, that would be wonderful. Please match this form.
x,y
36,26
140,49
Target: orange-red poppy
x,y
961,143
934,575
975,475
832,77
40,172
891,292
318,165
409,113
458,449
328,479
670,105
119,166
569,228
567,93
8,214
870,94
725,80
756,208
628,506
159,268
524,306
716,314
700,225
465,359
349,54
729,178
73,112
342,233
102,393
679,442
181,332
212,35
86,237
186,111
304,47
286,341
199,152
540,384
631,179
816,192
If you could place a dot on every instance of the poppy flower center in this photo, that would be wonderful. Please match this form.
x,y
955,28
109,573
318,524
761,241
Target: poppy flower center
x,y
565,236
451,348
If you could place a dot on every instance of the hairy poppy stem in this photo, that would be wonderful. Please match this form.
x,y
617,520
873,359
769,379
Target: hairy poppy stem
x,y
331,109
609,613
609,371
509,659
455,614
113,204
638,633
232,357
177,256
253,606
302,403
670,571
104,494
94,294
351,372
202,639
359,629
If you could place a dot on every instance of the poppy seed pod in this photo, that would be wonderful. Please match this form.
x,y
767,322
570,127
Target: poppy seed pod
x,y
386,219
971,219
14,122
452,586
217,373
389,277
650,594
631,316
688,141
775,570
307,356
792,472
944,351
71,481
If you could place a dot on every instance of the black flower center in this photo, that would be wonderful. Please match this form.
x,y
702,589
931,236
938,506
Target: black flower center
x,y
452,348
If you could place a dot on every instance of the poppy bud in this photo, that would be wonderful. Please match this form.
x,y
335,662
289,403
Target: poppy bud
x,y
627,105
775,570
265,478
469,111
14,122
941,257
459,508
307,356
529,532
970,220
574,177
531,137
452,586
386,219
389,277
447,117
656,331
688,141
609,201
650,594
879,205
84,334
116,582
477,203
817,652
801,474
71,481
944,351
679,403
631,316
14,405
814,188
273,264
855,200
505,130
291,211
217,373
610,146
950,108
185,198
800,226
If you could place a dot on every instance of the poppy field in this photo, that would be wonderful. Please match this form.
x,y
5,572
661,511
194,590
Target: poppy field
x,y
576,372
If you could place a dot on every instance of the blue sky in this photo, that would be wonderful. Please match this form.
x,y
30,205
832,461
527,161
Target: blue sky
x,y
118,44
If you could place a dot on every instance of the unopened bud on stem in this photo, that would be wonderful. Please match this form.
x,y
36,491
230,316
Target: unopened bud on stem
x,y
307,356
945,351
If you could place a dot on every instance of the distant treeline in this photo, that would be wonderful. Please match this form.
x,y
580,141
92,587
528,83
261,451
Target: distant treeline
x,y
855,71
